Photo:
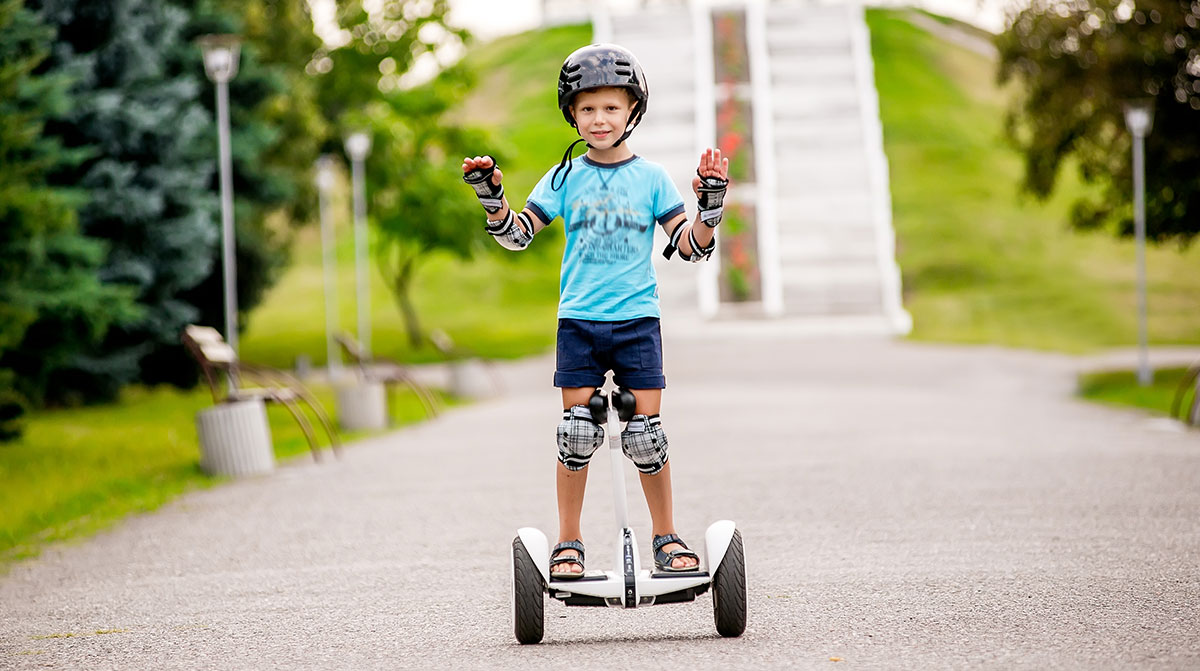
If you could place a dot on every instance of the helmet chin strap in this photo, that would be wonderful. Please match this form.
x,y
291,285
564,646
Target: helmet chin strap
x,y
565,163
628,129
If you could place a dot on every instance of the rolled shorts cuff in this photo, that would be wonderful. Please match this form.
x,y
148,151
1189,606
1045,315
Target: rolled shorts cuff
x,y
573,379
641,381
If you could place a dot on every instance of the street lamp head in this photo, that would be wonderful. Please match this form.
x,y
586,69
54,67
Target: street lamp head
x,y
221,54
1139,116
358,146
324,176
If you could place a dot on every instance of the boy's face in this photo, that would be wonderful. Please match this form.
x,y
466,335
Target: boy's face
x,y
601,115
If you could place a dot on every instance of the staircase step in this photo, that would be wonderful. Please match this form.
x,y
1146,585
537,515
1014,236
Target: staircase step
x,y
819,251
831,205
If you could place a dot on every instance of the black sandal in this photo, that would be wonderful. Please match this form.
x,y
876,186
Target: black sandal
x,y
555,560
662,559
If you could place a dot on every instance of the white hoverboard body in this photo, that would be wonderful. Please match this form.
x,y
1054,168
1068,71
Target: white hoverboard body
x,y
630,586
611,586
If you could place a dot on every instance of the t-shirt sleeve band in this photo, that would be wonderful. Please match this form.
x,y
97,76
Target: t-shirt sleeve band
x,y
671,214
541,214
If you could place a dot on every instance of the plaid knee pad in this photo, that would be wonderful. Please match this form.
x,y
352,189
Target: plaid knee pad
x,y
578,437
644,442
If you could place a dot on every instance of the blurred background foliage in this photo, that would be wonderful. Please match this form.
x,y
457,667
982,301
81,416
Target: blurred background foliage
x,y
108,184
1074,64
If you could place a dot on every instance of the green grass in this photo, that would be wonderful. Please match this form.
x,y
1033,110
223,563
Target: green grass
x,y
1122,389
497,305
981,263
77,471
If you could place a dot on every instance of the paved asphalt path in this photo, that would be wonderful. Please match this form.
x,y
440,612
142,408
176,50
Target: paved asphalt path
x,y
903,506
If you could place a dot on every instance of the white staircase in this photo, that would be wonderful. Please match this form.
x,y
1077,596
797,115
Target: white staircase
x,y
836,244
832,236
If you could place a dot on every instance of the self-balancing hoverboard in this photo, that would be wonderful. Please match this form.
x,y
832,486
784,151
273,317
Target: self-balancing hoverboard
x,y
629,587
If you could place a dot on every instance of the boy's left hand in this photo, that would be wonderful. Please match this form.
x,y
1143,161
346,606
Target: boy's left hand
x,y
710,184
711,165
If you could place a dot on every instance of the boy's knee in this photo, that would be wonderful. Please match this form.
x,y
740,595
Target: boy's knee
x,y
578,437
645,443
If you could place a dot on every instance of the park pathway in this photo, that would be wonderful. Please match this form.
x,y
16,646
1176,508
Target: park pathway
x,y
904,506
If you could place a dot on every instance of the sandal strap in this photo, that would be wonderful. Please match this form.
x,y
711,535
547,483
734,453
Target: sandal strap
x,y
576,545
660,541
675,554
565,560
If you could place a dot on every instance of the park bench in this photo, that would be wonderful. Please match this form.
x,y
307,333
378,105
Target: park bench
x,y
230,380
388,372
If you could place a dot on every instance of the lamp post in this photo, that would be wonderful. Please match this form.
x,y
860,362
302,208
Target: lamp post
x,y
221,65
358,147
1139,118
324,181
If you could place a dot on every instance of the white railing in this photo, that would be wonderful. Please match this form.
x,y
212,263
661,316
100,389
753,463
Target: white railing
x,y
878,178
707,290
764,158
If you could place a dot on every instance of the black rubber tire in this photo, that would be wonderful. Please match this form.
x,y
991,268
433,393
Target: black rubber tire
x,y
729,590
529,603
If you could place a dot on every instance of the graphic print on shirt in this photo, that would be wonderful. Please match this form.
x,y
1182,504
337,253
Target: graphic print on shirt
x,y
607,226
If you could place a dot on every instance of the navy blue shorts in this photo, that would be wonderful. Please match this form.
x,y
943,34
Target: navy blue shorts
x,y
631,349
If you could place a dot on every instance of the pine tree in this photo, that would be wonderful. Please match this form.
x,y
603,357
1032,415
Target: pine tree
x,y
51,299
145,189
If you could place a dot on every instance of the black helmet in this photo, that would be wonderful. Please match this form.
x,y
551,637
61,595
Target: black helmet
x,y
601,65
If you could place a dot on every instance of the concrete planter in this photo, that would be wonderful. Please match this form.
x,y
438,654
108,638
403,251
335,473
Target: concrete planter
x,y
469,379
362,406
235,439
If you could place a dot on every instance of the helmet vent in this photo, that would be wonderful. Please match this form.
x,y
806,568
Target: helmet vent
x,y
622,62
573,67
623,72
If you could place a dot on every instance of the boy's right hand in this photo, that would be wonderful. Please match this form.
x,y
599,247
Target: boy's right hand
x,y
484,176
483,163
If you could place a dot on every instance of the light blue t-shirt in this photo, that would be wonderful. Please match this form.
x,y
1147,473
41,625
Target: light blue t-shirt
x,y
609,210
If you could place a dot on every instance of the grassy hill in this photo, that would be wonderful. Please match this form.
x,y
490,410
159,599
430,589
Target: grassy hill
x,y
982,263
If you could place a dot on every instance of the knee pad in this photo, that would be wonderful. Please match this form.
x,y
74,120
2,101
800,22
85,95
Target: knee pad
x,y
578,437
644,442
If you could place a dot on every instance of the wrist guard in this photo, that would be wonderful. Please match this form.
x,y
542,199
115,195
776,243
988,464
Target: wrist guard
x,y
491,196
712,199
508,234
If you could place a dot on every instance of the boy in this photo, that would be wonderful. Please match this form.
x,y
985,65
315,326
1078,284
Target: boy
x,y
608,304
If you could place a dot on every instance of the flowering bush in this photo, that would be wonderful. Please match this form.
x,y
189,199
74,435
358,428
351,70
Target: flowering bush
x,y
739,237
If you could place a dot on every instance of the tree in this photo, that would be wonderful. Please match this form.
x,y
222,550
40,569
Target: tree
x,y
369,52
150,188
418,202
51,298
273,138
1076,61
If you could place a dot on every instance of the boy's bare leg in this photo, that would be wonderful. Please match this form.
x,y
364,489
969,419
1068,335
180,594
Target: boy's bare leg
x,y
570,486
657,487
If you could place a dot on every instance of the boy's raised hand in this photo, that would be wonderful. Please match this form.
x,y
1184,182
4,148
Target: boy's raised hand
x,y
710,183
483,163
711,165
484,176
